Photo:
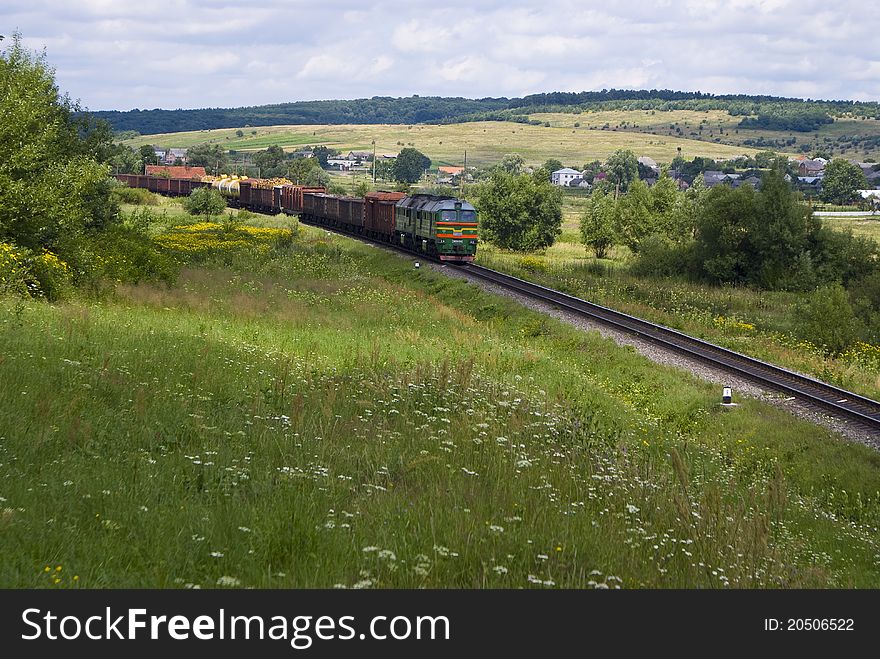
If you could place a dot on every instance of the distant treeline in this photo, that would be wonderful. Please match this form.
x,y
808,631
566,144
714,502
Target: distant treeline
x,y
767,112
376,110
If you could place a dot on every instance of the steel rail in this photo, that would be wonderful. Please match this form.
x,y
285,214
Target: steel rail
x,y
839,401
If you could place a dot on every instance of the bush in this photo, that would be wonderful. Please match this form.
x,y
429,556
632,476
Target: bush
x,y
205,201
533,264
660,257
827,319
136,196
13,270
51,275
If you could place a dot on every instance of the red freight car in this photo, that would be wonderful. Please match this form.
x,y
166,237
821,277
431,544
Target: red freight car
x,y
292,197
262,199
351,213
379,213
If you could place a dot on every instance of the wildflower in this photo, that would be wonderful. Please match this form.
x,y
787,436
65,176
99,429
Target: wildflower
x,y
631,509
500,569
494,528
217,554
228,582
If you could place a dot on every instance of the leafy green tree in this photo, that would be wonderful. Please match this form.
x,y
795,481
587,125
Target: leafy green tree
x,y
126,161
317,178
205,201
842,181
512,163
635,218
781,236
321,154
384,169
147,156
597,223
270,161
622,168
361,189
210,156
410,164
551,166
520,212
299,169
722,249
827,319
764,159
664,200
51,187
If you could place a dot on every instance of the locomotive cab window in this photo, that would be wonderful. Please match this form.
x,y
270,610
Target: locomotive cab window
x,y
468,216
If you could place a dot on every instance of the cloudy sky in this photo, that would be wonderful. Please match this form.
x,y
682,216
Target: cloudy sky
x,y
121,54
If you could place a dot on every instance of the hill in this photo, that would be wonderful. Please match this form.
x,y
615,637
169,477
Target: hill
x,y
317,413
485,141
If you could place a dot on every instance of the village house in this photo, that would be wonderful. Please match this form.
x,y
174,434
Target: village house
x,y
814,167
173,155
343,163
712,177
564,176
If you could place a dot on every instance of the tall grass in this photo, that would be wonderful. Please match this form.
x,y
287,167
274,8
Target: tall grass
x,y
321,414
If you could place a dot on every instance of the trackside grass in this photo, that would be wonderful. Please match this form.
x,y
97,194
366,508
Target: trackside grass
x,y
313,412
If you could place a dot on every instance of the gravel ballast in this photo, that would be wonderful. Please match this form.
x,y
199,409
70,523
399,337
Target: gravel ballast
x,y
659,355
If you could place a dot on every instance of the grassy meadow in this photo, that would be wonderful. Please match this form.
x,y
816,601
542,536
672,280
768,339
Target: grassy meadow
x,y
718,127
486,142
301,410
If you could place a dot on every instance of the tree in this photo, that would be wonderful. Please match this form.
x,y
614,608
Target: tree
x,y
826,318
521,213
782,236
384,169
597,223
209,156
410,165
317,178
635,218
51,187
321,154
722,250
205,201
270,161
299,169
512,163
552,165
842,181
622,168
147,156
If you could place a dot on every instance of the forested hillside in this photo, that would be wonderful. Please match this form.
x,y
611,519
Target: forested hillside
x,y
773,112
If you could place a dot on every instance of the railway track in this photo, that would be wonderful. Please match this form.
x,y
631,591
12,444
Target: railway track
x,y
839,402
815,393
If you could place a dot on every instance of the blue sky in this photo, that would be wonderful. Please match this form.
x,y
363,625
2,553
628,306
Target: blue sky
x,y
118,54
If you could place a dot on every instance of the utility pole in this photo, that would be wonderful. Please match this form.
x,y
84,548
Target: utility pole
x,y
374,162
463,173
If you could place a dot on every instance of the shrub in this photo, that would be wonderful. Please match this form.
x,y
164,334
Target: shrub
x,y
827,319
51,275
136,196
533,264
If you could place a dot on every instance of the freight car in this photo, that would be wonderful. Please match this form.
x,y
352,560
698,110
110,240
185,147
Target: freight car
x,y
442,227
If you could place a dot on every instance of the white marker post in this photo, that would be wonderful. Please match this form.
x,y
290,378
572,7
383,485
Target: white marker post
x,y
417,265
727,397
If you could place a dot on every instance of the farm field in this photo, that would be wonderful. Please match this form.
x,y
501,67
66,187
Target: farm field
x,y
313,412
486,142
718,126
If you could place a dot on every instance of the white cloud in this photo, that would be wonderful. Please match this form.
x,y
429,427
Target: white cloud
x,y
189,53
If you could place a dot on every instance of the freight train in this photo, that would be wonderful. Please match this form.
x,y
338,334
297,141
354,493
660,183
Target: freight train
x,y
443,227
